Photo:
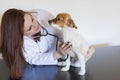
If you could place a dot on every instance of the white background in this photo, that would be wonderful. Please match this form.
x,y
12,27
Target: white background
x,y
98,20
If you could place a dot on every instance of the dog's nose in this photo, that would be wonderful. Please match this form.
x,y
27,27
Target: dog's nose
x,y
49,21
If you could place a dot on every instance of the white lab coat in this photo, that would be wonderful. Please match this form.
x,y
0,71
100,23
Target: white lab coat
x,y
41,52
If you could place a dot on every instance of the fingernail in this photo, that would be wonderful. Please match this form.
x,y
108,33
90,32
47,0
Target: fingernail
x,y
68,42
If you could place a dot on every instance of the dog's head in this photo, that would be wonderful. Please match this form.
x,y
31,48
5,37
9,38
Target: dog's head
x,y
62,20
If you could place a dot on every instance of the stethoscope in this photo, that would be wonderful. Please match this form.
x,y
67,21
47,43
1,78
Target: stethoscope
x,y
47,33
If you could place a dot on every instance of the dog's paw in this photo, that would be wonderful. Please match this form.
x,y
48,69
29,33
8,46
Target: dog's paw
x,y
65,69
82,72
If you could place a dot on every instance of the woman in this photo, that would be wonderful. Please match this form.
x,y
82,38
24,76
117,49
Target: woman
x,y
22,43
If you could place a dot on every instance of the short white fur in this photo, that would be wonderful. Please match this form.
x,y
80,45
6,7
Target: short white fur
x,y
79,48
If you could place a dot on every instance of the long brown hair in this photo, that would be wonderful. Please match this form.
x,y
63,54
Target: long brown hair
x,y
12,31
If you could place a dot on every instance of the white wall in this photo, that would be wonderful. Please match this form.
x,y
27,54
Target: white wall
x,y
98,20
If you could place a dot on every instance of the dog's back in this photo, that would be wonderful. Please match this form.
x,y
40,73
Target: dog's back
x,y
75,38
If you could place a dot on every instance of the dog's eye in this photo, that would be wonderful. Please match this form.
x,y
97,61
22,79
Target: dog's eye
x,y
58,19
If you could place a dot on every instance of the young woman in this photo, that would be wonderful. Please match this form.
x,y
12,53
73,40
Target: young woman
x,y
24,41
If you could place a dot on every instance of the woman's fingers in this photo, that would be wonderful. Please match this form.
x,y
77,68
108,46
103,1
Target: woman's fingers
x,y
64,44
65,47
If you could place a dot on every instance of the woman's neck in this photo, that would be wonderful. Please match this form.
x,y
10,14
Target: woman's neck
x,y
36,36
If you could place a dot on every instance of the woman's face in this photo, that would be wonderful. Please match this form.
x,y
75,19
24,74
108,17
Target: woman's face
x,y
31,25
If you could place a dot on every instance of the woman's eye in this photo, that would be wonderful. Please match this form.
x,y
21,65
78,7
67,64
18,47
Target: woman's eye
x,y
32,19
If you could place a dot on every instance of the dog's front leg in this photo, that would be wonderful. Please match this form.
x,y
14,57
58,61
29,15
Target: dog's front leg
x,y
67,67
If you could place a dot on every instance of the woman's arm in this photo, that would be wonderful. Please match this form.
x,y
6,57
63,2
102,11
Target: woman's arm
x,y
38,58
41,54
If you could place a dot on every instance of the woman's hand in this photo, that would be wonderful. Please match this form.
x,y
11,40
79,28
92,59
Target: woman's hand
x,y
63,49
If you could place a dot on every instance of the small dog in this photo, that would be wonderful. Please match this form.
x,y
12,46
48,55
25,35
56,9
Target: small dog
x,y
64,22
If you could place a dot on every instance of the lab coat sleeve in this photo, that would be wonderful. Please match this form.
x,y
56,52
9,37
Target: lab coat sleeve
x,y
35,55
37,58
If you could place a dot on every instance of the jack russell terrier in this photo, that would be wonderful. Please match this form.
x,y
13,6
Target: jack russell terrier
x,y
80,47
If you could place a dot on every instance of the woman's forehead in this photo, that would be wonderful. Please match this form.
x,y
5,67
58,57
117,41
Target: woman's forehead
x,y
27,21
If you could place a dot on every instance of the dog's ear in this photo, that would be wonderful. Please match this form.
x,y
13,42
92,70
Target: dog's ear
x,y
71,23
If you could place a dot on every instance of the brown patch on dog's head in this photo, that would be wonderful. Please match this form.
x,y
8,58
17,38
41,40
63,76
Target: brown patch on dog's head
x,y
62,20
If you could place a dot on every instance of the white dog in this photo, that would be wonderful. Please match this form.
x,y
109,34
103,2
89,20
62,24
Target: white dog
x,y
80,47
